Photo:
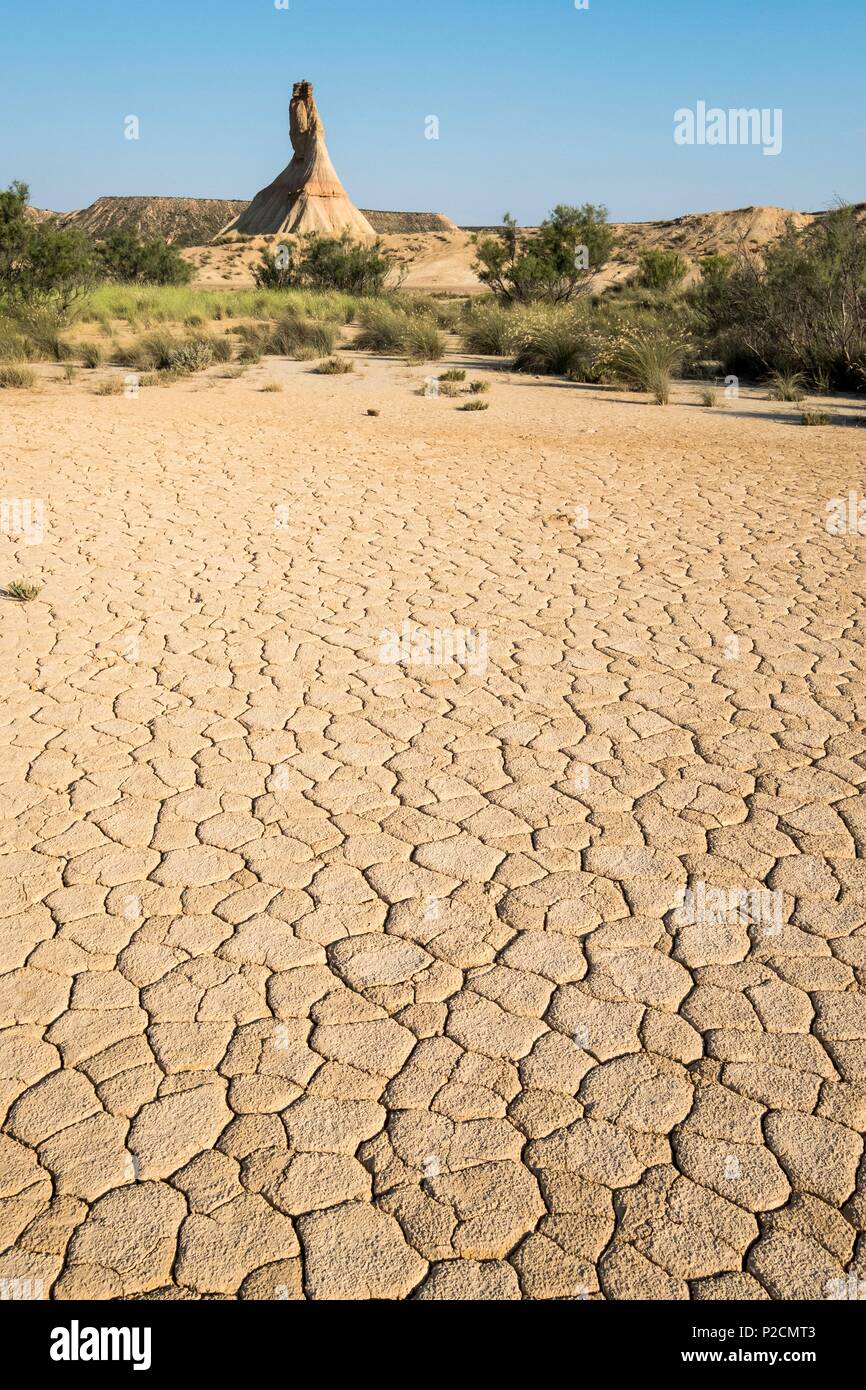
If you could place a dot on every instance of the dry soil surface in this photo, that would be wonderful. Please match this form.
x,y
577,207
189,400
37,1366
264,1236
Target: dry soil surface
x,y
335,972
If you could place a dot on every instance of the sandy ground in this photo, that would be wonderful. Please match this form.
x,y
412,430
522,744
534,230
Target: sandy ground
x,y
334,974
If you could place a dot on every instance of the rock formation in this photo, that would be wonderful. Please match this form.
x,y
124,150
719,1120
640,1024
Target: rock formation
x,y
307,196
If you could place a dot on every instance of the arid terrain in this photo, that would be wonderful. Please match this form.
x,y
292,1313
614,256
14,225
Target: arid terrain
x,y
432,841
432,252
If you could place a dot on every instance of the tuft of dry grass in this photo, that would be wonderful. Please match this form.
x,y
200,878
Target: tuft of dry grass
x,y
475,405
112,386
335,366
13,374
23,590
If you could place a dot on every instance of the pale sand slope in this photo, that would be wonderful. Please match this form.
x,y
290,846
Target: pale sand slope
x,y
333,978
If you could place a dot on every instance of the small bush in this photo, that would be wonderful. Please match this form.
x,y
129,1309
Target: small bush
x,y
815,417
477,387
453,374
14,375
192,356
302,338
660,269
91,355
786,386
645,359
382,328
554,342
490,330
335,366
709,397
475,405
272,386
112,386
23,590
422,340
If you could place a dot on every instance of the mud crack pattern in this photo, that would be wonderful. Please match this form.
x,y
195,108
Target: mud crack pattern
x,y
329,978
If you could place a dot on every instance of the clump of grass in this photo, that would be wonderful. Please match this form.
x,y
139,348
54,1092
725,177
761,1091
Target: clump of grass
x,y
374,412
554,342
112,386
490,330
475,405
23,589
816,417
302,338
646,360
786,386
13,374
249,356
382,328
709,397
272,386
453,374
232,373
422,340
41,328
14,347
91,355
477,387
335,366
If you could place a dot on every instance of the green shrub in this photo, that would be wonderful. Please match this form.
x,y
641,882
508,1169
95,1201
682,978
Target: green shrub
x,y
41,266
476,387
453,374
660,269
124,257
555,263
816,417
325,263
800,306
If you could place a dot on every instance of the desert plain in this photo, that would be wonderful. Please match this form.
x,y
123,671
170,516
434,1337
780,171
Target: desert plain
x,y
330,975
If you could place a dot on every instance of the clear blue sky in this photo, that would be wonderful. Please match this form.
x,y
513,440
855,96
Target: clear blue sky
x,y
538,102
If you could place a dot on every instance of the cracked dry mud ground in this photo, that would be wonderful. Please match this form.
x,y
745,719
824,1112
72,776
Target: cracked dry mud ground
x,y
331,979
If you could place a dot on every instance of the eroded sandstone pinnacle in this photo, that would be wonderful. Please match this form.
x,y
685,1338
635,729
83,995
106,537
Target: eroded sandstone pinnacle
x,y
307,196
